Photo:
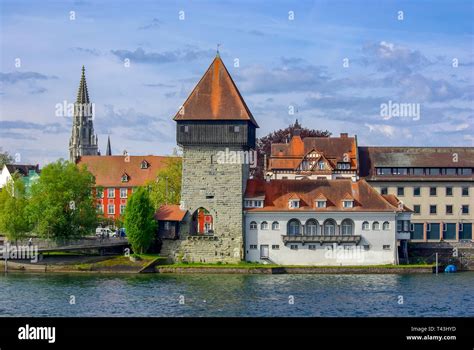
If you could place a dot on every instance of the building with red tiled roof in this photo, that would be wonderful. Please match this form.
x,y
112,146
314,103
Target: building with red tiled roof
x,y
214,120
117,176
313,158
169,218
329,216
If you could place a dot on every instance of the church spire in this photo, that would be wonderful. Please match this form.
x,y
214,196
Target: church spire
x,y
83,140
82,93
108,152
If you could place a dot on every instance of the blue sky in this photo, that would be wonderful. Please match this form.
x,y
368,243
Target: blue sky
x,y
282,63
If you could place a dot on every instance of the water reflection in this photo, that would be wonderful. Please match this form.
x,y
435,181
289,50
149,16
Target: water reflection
x,y
236,295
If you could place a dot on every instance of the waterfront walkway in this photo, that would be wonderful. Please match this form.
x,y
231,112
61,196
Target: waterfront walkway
x,y
89,243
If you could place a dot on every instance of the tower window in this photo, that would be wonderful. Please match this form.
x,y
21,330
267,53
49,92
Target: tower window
x,y
184,128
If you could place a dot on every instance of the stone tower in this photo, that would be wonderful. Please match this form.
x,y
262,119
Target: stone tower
x,y
83,140
212,121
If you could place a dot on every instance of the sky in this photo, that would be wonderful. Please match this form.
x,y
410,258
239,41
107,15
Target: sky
x,y
330,64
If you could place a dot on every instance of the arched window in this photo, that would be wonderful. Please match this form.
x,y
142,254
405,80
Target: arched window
x,y
376,226
275,225
365,226
264,225
386,225
203,222
347,227
312,227
329,227
253,225
294,227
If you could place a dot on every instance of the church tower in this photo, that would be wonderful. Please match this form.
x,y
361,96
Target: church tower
x,y
213,121
83,140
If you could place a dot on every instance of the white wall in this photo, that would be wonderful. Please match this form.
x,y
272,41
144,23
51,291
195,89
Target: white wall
x,y
4,176
304,256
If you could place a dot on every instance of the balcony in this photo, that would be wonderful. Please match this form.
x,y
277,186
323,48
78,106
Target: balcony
x,y
322,239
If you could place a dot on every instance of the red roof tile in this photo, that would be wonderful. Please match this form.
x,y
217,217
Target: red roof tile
x,y
170,212
278,192
108,170
215,97
334,149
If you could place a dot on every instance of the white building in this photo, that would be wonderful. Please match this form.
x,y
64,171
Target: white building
x,y
322,222
28,173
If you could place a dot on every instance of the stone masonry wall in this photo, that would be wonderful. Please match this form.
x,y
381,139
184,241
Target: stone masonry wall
x,y
219,188
464,258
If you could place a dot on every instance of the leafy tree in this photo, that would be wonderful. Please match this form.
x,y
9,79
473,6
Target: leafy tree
x,y
166,189
5,158
264,144
62,204
14,221
140,223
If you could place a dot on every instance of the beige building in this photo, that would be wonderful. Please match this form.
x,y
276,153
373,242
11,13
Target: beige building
x,y
437,183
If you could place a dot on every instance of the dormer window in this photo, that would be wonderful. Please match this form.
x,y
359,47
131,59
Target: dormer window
x,y
144,165
294,203
253,203
124,178
348,203
321,203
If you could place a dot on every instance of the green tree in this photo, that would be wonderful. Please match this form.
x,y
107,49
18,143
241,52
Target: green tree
x,y
5,158
166,188
14,221
139,221
62,205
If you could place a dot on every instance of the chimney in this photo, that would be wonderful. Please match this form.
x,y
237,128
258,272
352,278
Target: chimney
x,y
344,135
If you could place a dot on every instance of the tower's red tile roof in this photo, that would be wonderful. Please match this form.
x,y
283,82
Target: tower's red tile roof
x,y
215,97
278,192
108,170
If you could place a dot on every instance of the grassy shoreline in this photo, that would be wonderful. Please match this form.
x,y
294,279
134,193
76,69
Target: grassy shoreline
x,y
152,263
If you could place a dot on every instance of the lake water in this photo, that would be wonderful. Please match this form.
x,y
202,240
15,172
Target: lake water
x,y
236,295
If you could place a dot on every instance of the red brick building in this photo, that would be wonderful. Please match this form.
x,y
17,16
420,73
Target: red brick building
x,y
118,176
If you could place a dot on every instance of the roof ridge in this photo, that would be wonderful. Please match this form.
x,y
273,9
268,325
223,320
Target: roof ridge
x,y
200,103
